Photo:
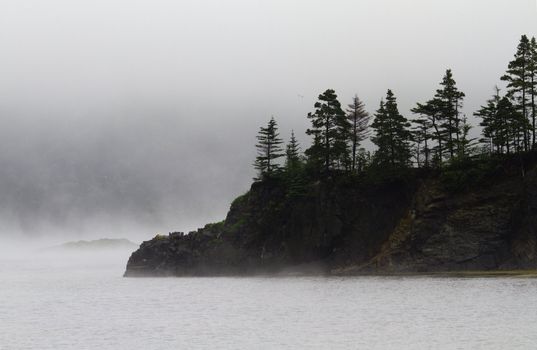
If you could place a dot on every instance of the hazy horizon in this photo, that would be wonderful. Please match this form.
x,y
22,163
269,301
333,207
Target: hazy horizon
x,y
127,118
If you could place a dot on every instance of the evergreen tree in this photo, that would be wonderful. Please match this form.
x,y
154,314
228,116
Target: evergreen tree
x,y
359,121
363,159
314,154
294,175
503,125
510,125
329,128
493,128
451,102
431,118
533,85
466,144
392,134
268,150
519,85
421,134
292,153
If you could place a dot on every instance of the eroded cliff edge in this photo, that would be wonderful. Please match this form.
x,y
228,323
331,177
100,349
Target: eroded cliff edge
x,y
481,216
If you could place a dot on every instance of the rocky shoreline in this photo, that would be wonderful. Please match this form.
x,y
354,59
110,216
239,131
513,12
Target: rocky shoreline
x,y
347,227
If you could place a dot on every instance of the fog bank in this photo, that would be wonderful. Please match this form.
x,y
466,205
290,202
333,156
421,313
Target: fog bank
x,y
127,118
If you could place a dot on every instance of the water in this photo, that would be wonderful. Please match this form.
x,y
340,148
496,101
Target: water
x,y
48,304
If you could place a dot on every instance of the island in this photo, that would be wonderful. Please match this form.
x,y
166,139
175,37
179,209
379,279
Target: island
x,y
98,245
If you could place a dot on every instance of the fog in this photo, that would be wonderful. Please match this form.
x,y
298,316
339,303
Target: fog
x,y
127,118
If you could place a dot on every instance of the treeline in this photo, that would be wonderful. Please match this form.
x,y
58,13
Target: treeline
x,y
436,135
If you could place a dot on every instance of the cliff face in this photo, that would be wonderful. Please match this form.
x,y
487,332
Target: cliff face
x,y
353,227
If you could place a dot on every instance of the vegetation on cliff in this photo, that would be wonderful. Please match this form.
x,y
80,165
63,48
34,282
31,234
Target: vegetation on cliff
x,y
429,198
437,138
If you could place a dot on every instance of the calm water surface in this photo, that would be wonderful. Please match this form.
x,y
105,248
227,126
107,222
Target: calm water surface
x,y
48,304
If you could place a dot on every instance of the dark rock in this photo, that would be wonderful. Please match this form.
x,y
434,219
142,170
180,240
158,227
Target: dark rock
x,y
355,227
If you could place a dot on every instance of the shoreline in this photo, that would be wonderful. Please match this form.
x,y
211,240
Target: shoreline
x,y
444,274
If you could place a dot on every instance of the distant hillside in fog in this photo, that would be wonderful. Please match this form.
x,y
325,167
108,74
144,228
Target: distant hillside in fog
x,y
96,245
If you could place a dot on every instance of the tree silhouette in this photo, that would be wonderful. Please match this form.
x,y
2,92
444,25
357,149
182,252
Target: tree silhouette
x,y
268,149
359,121
519,84
292,153
392,134
329,128
431,117
449,99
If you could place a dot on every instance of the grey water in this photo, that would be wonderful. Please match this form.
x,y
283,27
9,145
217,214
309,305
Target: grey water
x,y
50,303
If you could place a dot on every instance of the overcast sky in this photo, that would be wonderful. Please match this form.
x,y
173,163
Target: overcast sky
x,y
128,117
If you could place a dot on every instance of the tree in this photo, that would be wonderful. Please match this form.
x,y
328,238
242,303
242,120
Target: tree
x,y
533,84
292,153
329,129
363,159
491,130
421,134
510,125
503,126
450,99
431,118
519,84
359,121
392,134
268,149
466,144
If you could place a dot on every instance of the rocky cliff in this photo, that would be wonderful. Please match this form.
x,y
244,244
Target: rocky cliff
x,y
479,216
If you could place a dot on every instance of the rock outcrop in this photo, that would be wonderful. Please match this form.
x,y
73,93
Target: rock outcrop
x,y
349,226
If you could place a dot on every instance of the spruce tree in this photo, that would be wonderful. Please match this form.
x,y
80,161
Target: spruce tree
x,y
421,134
359,121
519,85
329,128
294,170
363,159
431,116
392,135
466,144
493,129
451,102
268,150
503,125
533,85
509,125
292,153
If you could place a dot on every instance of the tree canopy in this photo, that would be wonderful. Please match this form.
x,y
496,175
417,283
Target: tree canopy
x,y
439,134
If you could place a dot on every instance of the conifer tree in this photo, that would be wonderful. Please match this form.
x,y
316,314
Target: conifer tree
x,y
421,134
268,150
392,135
329,129
363,159
503,125
519,85
431,117
292,153
294,175
533,85
466,144
359,121
509,125
493,128
451,102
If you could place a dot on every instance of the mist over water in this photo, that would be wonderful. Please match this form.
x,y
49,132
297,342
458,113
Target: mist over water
x,y
126,118
84,303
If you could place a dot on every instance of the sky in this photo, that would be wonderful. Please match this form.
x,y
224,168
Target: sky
x,y
132,117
